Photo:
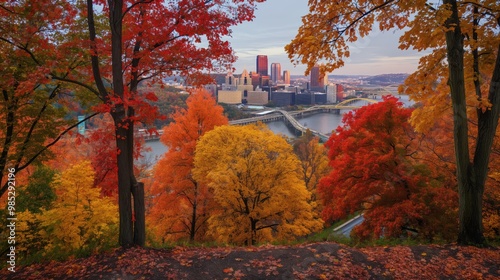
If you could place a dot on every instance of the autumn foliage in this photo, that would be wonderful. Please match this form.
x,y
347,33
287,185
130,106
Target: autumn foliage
x,y
182,203
255,179
78,219
374,172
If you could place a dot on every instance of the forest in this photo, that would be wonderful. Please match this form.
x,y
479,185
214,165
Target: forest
x,y
429,174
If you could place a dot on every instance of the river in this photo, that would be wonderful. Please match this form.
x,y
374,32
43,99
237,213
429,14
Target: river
x,y
321,122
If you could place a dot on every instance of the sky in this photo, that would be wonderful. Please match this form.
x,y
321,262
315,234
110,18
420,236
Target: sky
x,y
276,23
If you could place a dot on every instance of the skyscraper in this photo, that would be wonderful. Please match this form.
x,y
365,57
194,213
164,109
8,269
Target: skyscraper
x,y
317,80
262,65
286,77
275,72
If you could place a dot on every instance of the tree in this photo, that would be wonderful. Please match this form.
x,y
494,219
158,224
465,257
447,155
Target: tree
x,y
181,202
35,109
80,216
37,195
462,69
374,171
313,162
255,180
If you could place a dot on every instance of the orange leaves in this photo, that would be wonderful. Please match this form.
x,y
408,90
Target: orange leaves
x,y
182,204
330,28
254,177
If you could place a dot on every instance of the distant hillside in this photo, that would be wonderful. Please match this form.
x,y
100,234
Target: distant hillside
x,y
386,79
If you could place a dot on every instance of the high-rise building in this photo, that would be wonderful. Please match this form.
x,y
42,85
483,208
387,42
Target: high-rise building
x,y
340,92
262,65
286,77
318,81
275,72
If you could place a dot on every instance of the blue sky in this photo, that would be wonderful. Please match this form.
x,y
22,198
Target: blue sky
x,y
276,23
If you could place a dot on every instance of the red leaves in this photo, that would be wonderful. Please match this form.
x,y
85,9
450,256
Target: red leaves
x,y
374,169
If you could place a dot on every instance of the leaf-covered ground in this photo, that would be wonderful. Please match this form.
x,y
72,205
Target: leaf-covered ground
x,y
309,261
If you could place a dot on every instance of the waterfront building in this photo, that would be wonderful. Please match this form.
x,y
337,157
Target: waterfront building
x,y
257,97
331,93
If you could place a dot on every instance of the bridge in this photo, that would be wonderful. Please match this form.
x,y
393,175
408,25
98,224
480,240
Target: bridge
x,y
345,105
149,136
289,117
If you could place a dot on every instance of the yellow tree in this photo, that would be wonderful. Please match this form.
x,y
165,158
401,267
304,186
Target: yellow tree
x,y
256,183
313,162
80,216
181,202
462,70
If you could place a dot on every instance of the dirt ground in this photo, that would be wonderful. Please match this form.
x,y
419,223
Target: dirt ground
x,y
308,261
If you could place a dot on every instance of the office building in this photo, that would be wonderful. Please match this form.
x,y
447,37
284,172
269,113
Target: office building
x,y
317,80
257,97
262,65
331,93
283,98
275,72
340,92
286,77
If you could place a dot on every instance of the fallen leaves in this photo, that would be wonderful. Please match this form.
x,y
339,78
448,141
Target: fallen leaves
x,y
309,261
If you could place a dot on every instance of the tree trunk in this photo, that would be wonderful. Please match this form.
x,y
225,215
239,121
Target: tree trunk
x,y
192,231
139,213
469,189
124,181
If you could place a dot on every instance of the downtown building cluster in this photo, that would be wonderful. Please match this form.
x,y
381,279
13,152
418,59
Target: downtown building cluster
x,y
259,88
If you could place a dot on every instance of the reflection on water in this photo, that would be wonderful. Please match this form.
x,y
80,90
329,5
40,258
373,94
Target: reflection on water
x,y
155,149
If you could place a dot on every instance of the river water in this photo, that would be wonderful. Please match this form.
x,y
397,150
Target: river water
x,y
321,122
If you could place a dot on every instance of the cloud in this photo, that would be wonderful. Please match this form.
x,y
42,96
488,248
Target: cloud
x,y
276,24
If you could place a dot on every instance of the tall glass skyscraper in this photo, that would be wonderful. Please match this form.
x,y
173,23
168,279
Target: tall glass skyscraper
x,y
276,72
262,65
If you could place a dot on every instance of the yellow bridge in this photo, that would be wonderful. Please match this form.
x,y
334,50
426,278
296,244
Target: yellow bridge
x,y
345,105
289,117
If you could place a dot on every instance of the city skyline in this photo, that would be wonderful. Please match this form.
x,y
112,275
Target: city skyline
x,y
274,26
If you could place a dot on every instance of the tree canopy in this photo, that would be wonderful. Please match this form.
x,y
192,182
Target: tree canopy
x,y
256,182
374,170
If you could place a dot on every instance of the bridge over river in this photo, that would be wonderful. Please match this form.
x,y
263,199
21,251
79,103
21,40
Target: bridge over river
x,y
290,117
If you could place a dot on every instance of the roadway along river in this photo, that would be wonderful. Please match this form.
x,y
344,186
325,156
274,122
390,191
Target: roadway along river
x,y
322,122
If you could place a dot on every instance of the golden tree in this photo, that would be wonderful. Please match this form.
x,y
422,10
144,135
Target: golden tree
x,y
80,216
461,71
256,183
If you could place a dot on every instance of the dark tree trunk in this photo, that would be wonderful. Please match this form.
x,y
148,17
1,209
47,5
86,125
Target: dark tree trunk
x,y
487,126
129,233
192,231
10,119
139,210
124,180
469,188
